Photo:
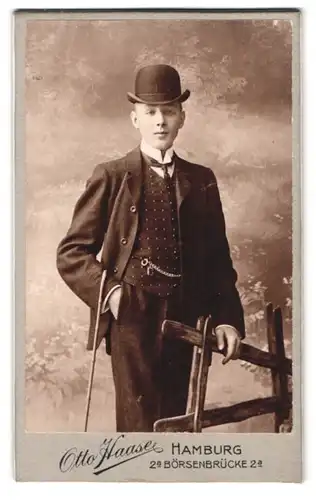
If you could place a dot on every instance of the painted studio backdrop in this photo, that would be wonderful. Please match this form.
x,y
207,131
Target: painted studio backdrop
x,y
238,123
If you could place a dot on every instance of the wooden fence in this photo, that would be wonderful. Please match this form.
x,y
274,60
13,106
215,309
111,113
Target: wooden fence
x,y
204,342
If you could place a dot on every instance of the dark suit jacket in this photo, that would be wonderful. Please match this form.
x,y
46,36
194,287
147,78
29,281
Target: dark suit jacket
x,y
106,217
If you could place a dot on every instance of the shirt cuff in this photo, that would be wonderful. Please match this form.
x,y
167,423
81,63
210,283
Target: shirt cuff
x,y
230,326
105,307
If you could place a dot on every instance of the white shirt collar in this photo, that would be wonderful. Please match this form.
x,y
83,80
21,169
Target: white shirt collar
x,y
156,153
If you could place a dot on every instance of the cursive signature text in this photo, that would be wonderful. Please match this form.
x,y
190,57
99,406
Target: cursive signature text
x,y
112,453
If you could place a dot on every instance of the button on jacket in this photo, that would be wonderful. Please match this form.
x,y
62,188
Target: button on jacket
x,y
107,216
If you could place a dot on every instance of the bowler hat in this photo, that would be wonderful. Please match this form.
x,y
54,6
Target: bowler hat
x,y
158,84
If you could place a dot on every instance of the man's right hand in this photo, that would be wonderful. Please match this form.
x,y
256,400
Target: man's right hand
x,y
114,301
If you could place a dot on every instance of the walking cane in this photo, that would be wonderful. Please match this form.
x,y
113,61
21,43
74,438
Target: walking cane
x,y
95,336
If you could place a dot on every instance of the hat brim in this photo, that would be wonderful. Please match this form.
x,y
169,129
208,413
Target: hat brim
x,y
135,99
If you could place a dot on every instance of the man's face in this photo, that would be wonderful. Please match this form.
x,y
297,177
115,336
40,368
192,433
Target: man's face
x,y
158,124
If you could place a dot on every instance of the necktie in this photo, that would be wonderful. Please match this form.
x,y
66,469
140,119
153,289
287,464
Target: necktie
x,y
165,171
163,166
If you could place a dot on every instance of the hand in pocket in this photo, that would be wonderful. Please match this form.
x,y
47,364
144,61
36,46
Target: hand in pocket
x,y
114,301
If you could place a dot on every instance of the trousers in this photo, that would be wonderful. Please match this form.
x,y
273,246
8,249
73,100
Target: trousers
x,y
151,374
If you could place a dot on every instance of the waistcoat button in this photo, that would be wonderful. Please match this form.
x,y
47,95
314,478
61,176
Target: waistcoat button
x,y
115,270
133,209
123,241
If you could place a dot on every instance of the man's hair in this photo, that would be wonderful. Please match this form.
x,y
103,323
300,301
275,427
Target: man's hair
x,y
148,104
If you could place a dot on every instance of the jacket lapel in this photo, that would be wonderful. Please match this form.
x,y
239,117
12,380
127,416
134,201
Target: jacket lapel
x,y
134,174
135,177
183,184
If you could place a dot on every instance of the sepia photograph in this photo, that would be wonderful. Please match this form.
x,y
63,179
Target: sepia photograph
x,y
158,225
157,191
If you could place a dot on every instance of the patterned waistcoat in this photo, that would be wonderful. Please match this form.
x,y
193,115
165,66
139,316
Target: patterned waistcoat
x,y
155,260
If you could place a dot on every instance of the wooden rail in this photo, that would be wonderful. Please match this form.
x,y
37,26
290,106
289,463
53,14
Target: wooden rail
x,y
247,353
219,416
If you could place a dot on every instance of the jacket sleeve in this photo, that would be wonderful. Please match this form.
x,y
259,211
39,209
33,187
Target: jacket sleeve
x,y
226,307
77,252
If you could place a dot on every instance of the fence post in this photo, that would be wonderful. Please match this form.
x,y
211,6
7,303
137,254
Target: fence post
x,y
278,375
205,362
202,359
272,350
195,370
282,379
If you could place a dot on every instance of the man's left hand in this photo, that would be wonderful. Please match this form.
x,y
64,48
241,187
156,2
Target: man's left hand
x,y
228,336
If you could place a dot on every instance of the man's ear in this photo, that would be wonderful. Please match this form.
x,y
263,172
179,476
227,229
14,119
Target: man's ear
x,y
134,119
182,118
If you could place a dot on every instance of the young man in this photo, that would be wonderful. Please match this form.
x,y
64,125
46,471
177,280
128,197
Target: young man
x,y
159,222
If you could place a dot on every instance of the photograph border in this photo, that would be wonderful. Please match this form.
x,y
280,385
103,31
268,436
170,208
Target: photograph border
x,y
38,455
